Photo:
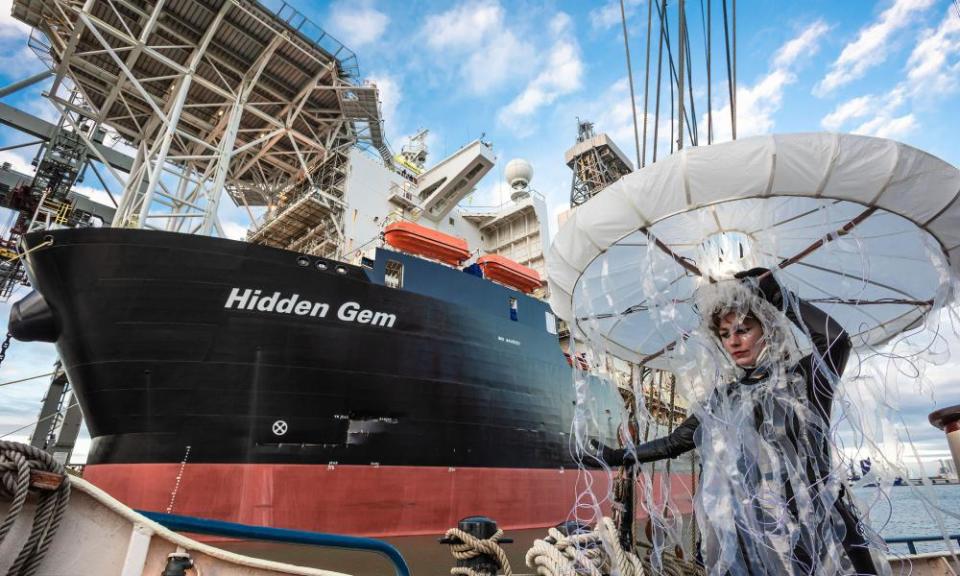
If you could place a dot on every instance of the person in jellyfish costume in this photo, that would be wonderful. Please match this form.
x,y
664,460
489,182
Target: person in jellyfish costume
x,y
771,499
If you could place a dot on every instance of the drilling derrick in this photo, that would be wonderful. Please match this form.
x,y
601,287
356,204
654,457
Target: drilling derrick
x,y
596,163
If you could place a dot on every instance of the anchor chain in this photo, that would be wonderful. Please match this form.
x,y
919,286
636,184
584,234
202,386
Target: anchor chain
x,y
4,346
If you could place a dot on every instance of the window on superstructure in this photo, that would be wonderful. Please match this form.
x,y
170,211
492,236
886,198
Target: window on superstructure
x,y
513,310
393,278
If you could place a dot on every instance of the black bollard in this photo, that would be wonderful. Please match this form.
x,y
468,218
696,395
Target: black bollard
x,y
482,528
571,528
948,420
177,564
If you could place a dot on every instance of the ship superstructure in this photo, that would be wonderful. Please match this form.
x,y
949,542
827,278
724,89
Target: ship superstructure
x,y
254,100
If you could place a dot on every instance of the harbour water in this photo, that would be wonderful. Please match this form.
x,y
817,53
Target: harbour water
x,y
902,514
905,513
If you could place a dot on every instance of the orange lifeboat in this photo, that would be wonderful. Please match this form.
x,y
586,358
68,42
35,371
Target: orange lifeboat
x,y
506,271
416,239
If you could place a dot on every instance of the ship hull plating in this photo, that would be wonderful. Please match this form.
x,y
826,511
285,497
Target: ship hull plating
x,y
377,501
263,373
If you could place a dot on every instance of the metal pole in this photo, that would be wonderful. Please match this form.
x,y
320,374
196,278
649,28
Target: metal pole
x,y
633,102
171,130
709,76
646,83
656,118
680,96
67,53
11,88
948,420
24,145
734,107
223,164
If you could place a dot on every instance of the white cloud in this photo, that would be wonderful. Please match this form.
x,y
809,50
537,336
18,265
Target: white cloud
x,y
610,113
609,15
758,103
929,66
804,44
870,47
465,26
475,38
17,60
10,27
17,162
880,111
932,72
886,127
357,23
496,64
560,74
21,402
234,230
853,108
97,195
495,193
391,94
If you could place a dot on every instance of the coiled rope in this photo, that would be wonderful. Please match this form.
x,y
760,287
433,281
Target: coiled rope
x,y
16,462
585,553
471,547
599,553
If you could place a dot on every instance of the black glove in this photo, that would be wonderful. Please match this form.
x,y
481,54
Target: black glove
x,y
762,280
612,456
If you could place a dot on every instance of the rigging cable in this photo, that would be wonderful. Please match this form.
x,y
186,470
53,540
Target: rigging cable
x,y
694,129
656,119
673,104
730,77
27,379
646,84
665,30
733,109
633,101
681,32
39,420
708,32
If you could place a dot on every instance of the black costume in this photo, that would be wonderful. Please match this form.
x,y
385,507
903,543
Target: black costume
x,y
816,376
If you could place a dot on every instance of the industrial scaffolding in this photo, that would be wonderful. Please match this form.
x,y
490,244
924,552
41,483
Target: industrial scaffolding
x,y
212,95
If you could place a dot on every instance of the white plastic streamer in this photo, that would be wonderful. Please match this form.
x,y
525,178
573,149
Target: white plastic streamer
x,y
775,493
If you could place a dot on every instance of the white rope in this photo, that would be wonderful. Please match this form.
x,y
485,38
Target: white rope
x,y
471,547
587,553
598,553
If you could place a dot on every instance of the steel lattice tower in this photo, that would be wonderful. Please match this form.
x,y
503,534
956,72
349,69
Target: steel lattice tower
x,y
245,97
596,163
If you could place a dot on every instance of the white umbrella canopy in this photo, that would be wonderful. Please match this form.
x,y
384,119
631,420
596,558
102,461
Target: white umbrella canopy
x,y
865,228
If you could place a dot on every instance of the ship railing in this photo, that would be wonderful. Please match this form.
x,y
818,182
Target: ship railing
x,y
911,541
209,527
317,35
493,209
404,195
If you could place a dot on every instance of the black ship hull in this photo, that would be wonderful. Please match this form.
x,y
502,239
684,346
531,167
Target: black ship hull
x,y
223,379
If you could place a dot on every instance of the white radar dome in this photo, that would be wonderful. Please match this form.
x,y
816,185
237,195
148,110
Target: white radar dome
x,y
518,172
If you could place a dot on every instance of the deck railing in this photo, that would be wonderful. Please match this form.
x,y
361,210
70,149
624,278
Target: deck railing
x,y
244,532
911,541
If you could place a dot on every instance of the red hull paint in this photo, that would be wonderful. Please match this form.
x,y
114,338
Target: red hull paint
x,y
359,500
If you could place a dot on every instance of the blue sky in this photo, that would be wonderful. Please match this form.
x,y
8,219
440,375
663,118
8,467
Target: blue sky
x,y
523,72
